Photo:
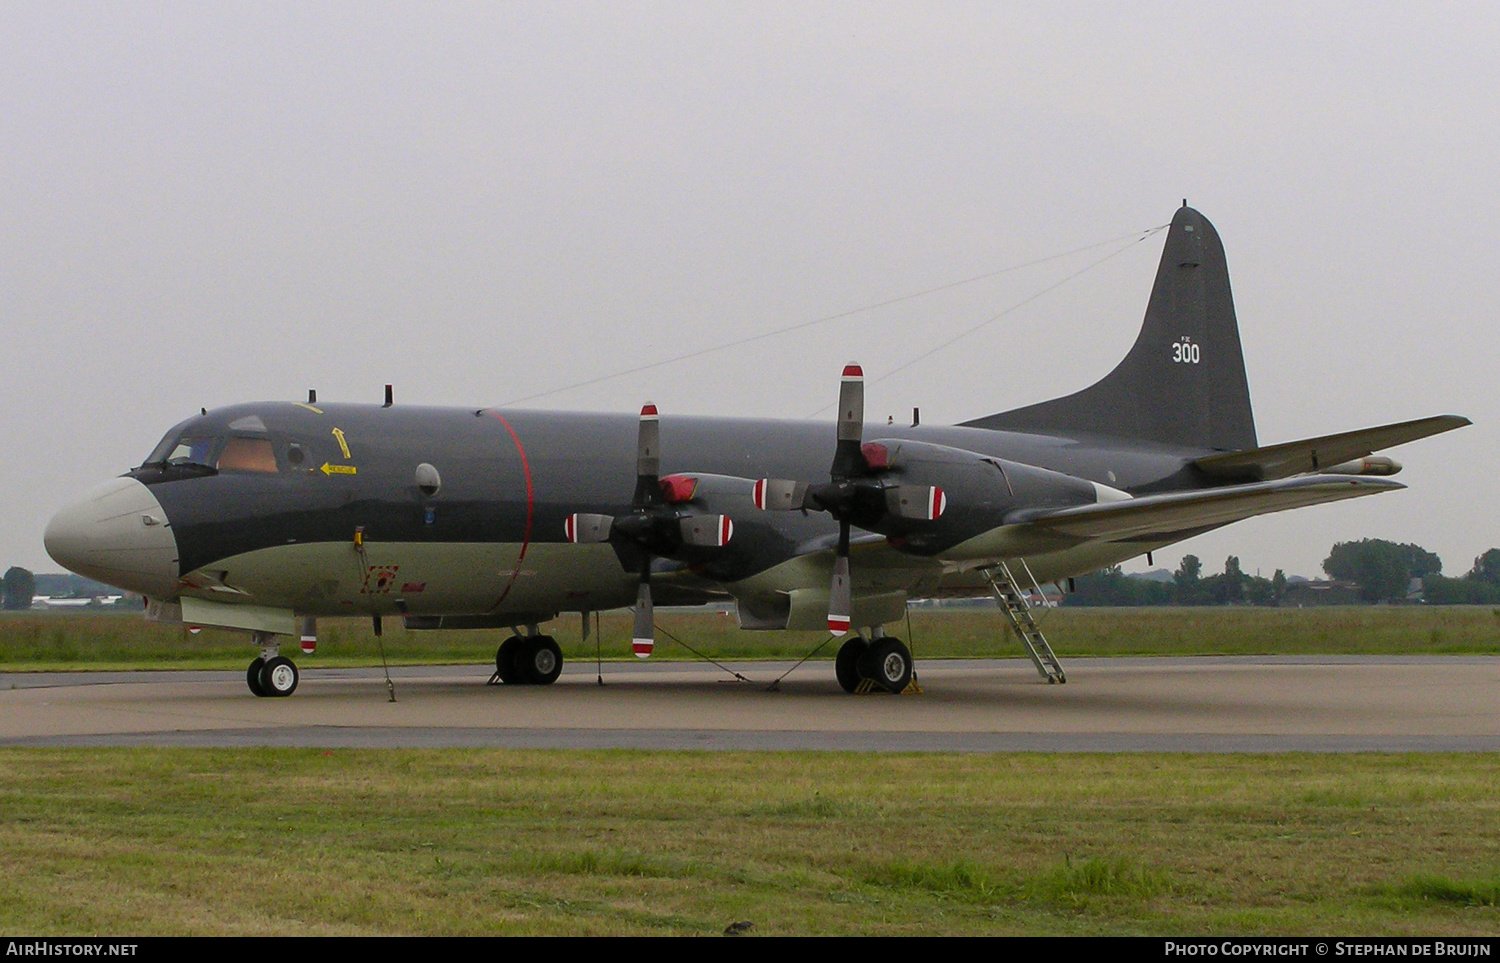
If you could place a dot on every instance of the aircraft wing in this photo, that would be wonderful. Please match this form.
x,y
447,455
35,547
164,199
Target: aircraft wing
x,y
1313,454
1179,514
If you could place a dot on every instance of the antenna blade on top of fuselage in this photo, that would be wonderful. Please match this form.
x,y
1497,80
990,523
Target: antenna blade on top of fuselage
x,y
1312,454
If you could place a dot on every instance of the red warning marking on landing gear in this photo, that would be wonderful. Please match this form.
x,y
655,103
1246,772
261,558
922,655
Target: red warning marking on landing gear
x,y
378,579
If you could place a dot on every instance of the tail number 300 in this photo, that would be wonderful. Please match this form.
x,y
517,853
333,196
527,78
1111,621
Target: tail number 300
x,y
1184,352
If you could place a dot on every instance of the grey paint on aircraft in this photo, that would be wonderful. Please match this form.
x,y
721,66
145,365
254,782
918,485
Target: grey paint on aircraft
x,y
323,509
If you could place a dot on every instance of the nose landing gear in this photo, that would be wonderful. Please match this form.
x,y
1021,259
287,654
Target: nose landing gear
x,y
271,674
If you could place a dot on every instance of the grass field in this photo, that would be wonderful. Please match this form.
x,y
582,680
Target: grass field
x,y
270,841
31,642
163,841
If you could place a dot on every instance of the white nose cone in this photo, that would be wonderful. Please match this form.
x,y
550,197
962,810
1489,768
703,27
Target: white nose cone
x,y
119,535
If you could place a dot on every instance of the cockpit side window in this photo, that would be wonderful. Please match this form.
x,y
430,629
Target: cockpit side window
x,y
248,454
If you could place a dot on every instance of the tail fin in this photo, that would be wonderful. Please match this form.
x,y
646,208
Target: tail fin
x,y
1183,383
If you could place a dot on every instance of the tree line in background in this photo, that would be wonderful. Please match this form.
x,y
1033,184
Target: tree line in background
x,y
1371,570
17,589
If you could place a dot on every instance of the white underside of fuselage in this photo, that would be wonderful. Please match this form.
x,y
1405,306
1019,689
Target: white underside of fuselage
x,y
498,579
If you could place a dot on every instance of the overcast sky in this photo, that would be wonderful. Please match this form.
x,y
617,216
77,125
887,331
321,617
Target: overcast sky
x,y
203,204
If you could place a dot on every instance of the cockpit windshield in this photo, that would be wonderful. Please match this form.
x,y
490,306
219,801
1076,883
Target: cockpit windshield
x,y
177,450
190,450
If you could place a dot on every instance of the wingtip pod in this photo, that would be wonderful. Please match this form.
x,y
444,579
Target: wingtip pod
x,y
1368,465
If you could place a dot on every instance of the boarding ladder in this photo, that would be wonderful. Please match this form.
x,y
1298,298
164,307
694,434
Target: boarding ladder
x,y
1008,589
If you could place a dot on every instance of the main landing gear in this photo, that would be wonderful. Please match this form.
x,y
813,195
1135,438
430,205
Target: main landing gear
x,y
528,660
271,674
882,662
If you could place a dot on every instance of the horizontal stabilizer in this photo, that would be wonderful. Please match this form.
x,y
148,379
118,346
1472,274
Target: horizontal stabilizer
x,y
1314,454
1167,517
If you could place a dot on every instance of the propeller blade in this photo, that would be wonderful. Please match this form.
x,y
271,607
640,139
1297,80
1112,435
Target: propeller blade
x,y
644,637
840,601
848,460
852,403
707,531
648,442
582,527
780,495
648,460
919,502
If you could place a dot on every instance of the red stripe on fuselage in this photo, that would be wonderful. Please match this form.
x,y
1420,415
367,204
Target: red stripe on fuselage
x,y
530,500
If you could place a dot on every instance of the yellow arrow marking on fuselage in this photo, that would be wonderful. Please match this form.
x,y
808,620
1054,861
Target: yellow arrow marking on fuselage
x,y
300,404
328,469
343,445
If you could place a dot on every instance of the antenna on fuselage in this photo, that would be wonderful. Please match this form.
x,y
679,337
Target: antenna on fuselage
x,y
312,396
390,397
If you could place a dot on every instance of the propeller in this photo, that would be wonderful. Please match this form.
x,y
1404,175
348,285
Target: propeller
x,y
856,493
654,527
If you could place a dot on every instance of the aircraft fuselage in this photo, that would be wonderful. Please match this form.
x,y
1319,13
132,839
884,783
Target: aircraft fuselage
x,y
270,511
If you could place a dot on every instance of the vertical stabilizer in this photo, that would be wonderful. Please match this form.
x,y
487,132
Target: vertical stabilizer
x,y
1183,382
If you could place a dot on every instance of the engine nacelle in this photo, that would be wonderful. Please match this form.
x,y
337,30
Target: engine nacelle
x,y
981,491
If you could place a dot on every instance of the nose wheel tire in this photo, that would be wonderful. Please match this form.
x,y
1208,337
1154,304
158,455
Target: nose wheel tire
x,y
846,665
252,677
542,660
279,677
887,663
